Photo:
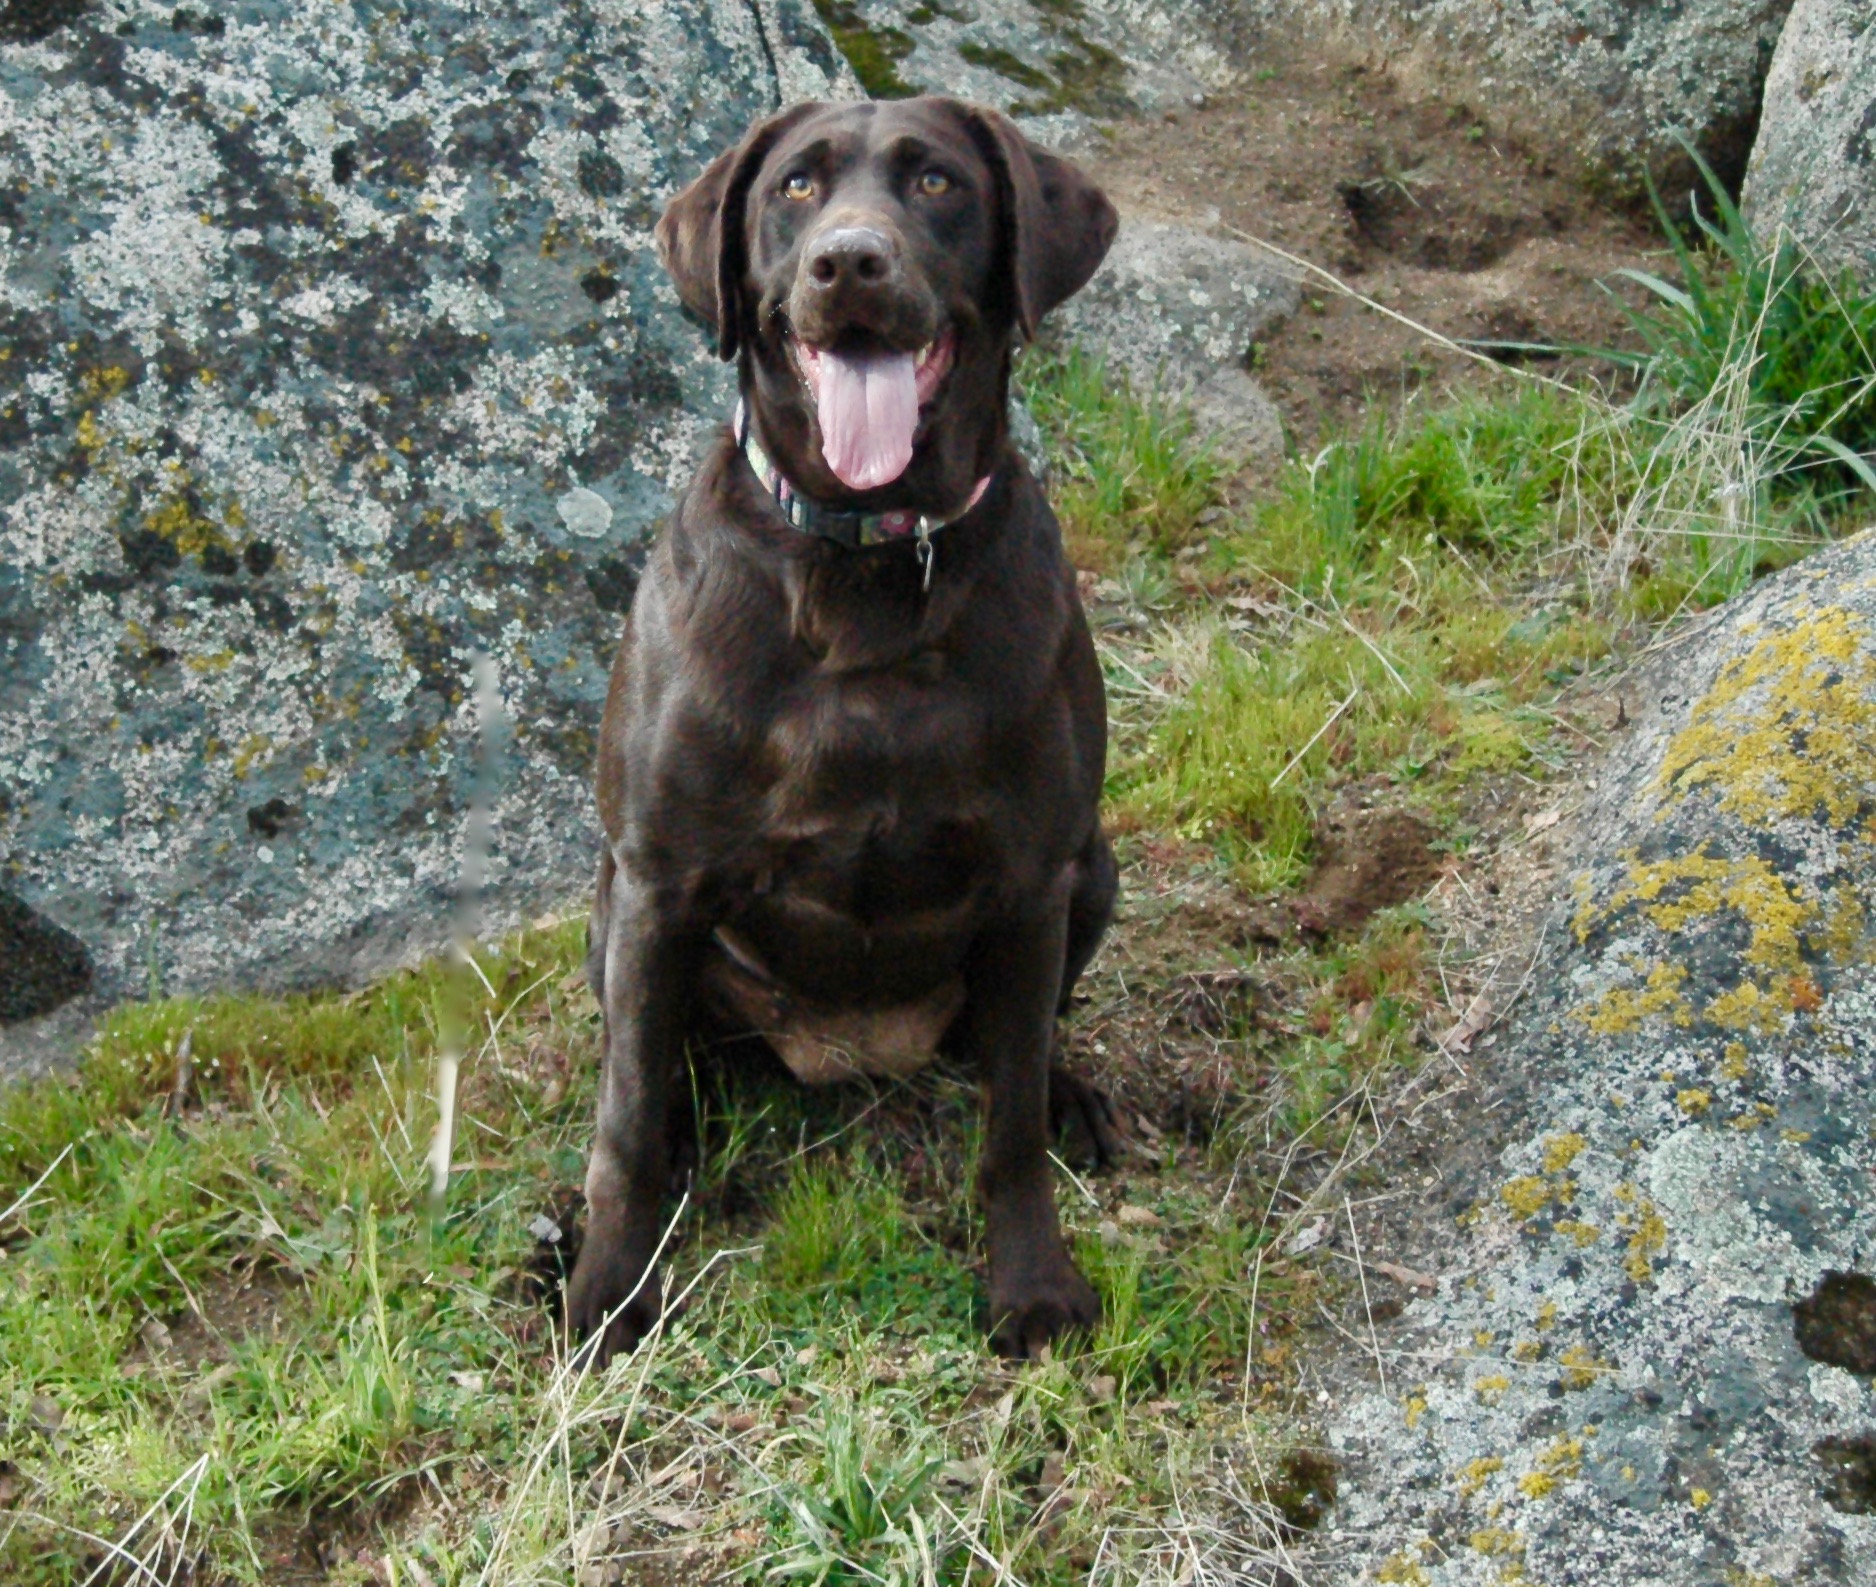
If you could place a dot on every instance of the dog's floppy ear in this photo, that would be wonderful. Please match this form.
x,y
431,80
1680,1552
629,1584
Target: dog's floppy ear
x,y
1057,225
700,236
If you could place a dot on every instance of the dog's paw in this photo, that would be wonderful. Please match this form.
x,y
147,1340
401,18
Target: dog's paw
x,y
607,1297
1034,1309
1083,1120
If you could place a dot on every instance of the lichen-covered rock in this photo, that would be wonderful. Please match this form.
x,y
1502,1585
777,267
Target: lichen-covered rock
x,y
1613,80
1649,1357
1056,64
332,350
1814,165
1179,311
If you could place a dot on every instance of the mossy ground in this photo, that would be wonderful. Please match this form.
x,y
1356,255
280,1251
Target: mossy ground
x,y
229,1334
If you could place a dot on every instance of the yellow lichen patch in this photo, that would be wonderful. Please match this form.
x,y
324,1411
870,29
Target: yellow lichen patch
x,y
1623,1008
1560,1151
1497,1540
1694,1101
1846,927
1491,1388
1547,1316
1734,1065
1526,1195
1527,1350
1678,891
1585,1234
101,385
1399,1571
1759,1113
90,437
1789,729
1557,1464
1416,1408
1750,1007
1701,1498
180,523
1581,1368
1472,1478
1647,1240
255,747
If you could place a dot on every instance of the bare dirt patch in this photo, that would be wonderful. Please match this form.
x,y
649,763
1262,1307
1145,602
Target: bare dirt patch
x,y
1368,859
1410,200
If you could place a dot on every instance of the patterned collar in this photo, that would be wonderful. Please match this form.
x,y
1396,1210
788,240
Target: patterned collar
x,y
851,529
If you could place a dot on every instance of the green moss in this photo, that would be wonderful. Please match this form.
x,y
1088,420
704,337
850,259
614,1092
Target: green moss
x,y
873,53
1088,77
1004,64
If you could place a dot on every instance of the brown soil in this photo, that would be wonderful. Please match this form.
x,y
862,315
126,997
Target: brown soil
x,y
1407,199
1366,859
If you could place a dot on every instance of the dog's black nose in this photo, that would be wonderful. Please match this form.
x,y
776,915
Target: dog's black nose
x,y
852,256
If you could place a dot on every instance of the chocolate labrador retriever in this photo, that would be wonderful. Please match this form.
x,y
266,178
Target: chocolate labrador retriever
x,y
853,746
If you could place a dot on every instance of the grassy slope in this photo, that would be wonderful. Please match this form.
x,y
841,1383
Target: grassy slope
x,y
232,1334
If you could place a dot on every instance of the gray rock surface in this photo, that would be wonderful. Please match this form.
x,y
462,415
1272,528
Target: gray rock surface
x,y
1814,165
1609,81
1179,310
332,350
1057,64
1649,1357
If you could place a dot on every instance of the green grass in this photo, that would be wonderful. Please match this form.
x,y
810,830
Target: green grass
x,y
1130,469
1389,623
231,1330
243,1314
1806,345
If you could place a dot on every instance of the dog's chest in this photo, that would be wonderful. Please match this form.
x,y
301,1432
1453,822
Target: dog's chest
x,y
878,803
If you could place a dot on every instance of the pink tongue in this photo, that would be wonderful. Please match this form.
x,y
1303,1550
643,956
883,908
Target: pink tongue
x,y
868,409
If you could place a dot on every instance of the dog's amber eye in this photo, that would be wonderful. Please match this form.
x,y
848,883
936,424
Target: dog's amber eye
x,y
798,186
933,183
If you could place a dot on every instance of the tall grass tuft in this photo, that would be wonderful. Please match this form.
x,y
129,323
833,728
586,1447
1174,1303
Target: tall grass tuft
x,y
1789,352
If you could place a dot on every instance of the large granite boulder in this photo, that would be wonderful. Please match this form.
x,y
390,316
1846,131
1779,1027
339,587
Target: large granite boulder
x,y
1650,1355
1814,166
333,350
1608,83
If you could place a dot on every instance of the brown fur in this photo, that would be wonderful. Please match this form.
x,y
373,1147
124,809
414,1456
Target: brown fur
x,y
825,788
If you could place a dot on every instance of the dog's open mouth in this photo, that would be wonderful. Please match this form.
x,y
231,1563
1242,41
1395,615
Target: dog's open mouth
x,y
868,401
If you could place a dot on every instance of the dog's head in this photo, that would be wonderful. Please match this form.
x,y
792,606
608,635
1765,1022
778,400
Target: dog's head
x,y
872,265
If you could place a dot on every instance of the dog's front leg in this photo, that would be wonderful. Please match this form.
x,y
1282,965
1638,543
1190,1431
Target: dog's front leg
x,y
1015,980
650,975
